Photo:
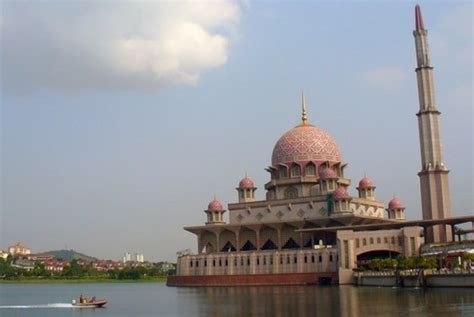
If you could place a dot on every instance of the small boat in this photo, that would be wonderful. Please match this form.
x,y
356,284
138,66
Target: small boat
x,y
91,304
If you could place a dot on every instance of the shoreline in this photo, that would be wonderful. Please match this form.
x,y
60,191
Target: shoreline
x,y
80,281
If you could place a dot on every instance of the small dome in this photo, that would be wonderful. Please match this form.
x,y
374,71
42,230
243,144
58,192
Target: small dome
x,y
246,182
327,173
215,205
395,203
340,193
366,183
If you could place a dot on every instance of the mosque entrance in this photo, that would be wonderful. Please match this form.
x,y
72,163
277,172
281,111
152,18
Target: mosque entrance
x,y
364,258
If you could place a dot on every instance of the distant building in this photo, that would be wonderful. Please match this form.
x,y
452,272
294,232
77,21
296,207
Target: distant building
x,y
104,265
139,257
24,264
55,265
3,255
41,257
18,249
127,257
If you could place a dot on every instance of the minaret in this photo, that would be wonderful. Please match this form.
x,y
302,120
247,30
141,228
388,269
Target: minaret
x,y
435,198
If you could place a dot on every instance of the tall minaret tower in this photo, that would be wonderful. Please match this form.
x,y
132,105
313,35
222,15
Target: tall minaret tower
x,y
435,198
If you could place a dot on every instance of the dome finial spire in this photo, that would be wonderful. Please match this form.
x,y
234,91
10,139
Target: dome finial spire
x,y
304,115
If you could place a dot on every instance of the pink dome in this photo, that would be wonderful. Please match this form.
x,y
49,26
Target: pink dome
x,y
340,193
365,183
395,203
327,173
246,183
215,205
305,143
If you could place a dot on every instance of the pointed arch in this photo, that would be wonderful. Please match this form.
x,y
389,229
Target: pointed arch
x,y
208,248
291,244
291,192
227,236
310,169
248,246
282,171
228,247
295,170
269,245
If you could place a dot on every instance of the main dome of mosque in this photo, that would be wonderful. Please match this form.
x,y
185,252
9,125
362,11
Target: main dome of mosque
x,y
303,143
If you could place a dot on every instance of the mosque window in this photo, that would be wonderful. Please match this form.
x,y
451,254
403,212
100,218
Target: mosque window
x,y
305,259
241,194
247,193
371,240
310,169
197,263
235,262
320,259
281,260
357,243
226,262
248,261
312,259
330,257
220,262
295,260
205,262
393,240
271,260
264,260
295,171
385,239
288,260
242,261
213,262
291,192
364,241
283,172
258,261
191,264
379,240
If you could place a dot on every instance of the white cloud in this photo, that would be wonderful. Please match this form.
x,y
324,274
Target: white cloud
x,y
384,77
75,46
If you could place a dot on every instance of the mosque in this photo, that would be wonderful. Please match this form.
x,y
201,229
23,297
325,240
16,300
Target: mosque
x,y
309,229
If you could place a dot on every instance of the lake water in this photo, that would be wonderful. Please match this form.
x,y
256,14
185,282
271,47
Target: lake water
x,y
156,299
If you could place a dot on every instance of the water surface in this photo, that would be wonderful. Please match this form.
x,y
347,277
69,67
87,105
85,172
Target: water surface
x,y
156,299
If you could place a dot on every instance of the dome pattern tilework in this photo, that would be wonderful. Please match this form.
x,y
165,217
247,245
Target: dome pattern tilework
x,y
305,143
327,173
340,193
395,203
246,183
215,205
366,183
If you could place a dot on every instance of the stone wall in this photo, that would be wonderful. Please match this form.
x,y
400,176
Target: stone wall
x,y
261,262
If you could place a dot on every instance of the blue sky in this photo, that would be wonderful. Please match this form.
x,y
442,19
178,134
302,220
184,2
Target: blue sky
x,y
120,123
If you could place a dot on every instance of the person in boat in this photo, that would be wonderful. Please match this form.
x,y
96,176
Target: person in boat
x,y
81,299
93,299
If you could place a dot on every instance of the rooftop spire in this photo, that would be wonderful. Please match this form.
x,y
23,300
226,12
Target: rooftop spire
x,y
304,115
418,18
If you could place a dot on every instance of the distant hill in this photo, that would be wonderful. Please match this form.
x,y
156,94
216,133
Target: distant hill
x,y
69,255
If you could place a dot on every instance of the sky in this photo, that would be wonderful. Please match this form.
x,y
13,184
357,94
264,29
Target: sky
x,y
121,121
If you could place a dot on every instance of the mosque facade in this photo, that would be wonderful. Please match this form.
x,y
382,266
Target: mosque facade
x,y
267,242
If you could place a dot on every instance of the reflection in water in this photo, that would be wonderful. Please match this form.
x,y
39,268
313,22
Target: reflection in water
x,y
345,301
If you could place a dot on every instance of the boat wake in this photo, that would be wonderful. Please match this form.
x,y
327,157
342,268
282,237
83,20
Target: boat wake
x,y
54,305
